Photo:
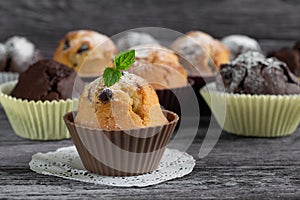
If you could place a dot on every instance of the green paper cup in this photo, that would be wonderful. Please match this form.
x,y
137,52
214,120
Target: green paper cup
x,y
254,115
36,120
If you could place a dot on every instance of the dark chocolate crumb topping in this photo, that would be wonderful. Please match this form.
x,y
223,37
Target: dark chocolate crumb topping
x,y
252,73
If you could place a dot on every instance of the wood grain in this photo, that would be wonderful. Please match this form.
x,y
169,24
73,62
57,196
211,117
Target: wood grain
x,y
237,168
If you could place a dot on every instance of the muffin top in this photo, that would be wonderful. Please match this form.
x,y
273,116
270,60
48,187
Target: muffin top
x,y
47,80
157,54
17,54
238,44
291,56
87,52
200,53
128,104
159,66
252,73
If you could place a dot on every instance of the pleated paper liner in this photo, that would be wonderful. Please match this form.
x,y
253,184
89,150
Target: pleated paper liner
x,y
8,76
254,115
121,153
36,120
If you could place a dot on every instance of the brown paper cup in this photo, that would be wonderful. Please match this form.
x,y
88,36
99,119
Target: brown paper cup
x,y
200,82
121,153
170,98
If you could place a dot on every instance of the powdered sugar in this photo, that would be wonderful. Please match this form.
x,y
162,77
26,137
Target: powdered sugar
x,y
20,49
238,44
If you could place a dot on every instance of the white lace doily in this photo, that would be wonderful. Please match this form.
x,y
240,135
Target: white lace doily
x,y
65,163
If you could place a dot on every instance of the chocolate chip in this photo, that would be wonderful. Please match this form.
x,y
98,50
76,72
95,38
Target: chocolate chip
x,y
83,47
105,95
66,44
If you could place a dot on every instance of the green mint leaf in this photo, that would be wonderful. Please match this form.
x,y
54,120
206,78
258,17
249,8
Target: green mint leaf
x,y
111,76
123,60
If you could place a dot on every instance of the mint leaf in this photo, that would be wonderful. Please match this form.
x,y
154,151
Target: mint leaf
x,y
123,60
111,76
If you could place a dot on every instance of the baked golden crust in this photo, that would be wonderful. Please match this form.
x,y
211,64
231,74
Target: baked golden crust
x,y
159,66
88,52
220,54
131,103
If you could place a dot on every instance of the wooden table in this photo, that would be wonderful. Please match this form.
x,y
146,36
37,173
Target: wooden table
x,y
238,167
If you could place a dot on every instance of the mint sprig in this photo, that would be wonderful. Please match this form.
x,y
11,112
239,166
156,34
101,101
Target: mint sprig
x,y
111,76
122,61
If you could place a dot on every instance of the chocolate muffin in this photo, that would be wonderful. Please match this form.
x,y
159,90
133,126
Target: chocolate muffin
x,y
47,80
252,73
291,56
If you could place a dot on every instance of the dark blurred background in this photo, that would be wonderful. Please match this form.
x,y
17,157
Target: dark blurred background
x,y
274,23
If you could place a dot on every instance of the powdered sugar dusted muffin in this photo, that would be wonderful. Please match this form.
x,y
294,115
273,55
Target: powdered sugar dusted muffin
x,y
130,103
131,39
118,118
18,54
252,73
254,96
200,53
238,44
159,66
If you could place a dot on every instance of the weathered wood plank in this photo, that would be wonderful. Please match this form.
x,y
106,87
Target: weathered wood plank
x,y
238,167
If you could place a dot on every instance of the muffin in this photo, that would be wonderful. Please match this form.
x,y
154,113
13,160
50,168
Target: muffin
x,y
161,68
132,39
291,56
238,44
200,53
260,97
129,104
36,103
16,55
120,130
86,51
